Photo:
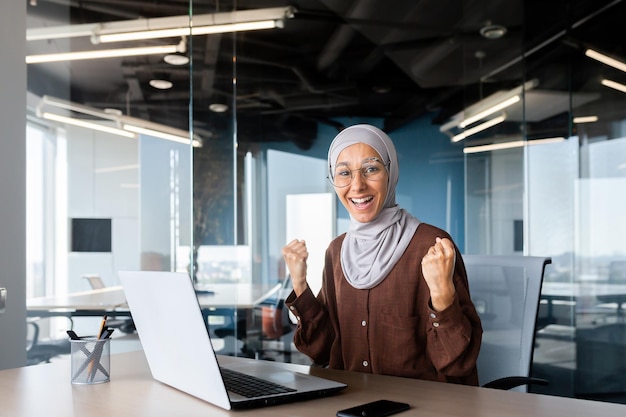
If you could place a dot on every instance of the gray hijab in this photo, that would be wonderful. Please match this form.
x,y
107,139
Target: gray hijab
x,y
370,250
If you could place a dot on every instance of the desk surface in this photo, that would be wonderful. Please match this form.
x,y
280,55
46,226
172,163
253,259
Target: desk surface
x,y
45,390
566,290
111,298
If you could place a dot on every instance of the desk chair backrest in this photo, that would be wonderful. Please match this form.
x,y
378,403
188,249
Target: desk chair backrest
x,y
506,291
95,282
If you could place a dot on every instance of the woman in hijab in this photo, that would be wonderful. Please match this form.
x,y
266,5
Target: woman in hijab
x,y
394,297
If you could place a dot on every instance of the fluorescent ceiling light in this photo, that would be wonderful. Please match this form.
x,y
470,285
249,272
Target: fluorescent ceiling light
x,y
489,105
605,59
170,26
614,85
491,110
186,31
479,128
87,124
509,145
160,134
585,119
131,126
104,53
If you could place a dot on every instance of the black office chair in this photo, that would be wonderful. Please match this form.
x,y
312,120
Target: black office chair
x,y
44,350
506,291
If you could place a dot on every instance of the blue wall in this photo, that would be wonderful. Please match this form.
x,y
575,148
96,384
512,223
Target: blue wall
x,y
428,163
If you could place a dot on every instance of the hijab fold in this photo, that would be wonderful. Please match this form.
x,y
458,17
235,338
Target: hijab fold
x,y
371,250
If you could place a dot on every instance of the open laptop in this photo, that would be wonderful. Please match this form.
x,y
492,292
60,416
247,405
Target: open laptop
x,y
179,352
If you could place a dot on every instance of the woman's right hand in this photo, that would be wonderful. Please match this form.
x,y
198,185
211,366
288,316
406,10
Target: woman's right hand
x,y
296,255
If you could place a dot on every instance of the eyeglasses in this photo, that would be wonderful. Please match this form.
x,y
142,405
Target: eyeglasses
x,y
373,169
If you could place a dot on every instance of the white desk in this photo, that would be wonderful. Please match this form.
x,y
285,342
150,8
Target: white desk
x,y
45,390
111,298
108,298
585,294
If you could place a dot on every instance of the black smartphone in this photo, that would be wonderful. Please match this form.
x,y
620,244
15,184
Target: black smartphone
x,y
378,408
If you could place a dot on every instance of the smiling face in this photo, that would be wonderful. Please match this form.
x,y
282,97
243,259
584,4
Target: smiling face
x,y
363,198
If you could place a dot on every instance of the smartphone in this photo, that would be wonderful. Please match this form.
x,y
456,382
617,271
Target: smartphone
x,y
378,408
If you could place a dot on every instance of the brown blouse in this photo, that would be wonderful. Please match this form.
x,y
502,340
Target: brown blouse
x,y
390,329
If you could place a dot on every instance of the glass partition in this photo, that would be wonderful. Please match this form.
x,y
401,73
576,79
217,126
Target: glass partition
x,y
558,194
110,154
125,173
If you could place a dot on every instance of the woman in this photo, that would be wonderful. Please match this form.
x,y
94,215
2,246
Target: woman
x,y
394,297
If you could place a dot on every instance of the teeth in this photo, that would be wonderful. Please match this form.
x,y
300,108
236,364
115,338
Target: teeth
x,y
361,200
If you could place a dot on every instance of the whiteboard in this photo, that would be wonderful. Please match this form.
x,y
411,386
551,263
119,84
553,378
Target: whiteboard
x,y
312,217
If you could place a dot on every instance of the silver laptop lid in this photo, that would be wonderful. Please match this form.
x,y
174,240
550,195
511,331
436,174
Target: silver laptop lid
x,y
179,352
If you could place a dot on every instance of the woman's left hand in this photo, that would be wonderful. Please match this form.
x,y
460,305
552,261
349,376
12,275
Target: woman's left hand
x,y
438,271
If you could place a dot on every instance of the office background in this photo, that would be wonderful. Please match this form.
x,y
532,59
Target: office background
x,y
564,199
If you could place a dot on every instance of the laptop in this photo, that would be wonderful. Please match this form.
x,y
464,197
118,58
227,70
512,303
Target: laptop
x,y
178,348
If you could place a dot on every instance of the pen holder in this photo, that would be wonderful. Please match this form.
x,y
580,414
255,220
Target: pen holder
x,y
91,360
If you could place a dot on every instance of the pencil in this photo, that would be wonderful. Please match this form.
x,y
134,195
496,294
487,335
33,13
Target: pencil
x,y
103,326
95,355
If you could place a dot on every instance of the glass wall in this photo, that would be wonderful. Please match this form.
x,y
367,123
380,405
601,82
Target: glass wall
x,y
109,156
560,195
214,206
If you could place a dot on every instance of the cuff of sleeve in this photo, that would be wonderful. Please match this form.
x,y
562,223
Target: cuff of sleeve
x,y
446,319
305,305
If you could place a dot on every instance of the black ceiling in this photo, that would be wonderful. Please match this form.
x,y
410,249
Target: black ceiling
x,y
335,58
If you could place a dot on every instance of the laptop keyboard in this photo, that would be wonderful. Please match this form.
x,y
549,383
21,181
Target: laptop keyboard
x,y
250,386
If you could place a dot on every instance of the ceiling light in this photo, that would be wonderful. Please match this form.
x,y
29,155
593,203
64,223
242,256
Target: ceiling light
x,y
495,102
161,84
186,31
492,31
510,145
160,134
131,126
605,59
218,107
170,26
87,124
613,84
160,27
493,109
104,53
585,119
176,59
479,128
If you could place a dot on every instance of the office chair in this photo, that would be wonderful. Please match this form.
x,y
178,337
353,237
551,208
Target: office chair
x,y
44,350
125,325
276,323
506,291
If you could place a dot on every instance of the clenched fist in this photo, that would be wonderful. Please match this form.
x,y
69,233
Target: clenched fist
x,y
438,270
296,255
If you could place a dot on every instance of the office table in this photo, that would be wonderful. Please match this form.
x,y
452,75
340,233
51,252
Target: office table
x,y
45,390
234,301
584,293
113,298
